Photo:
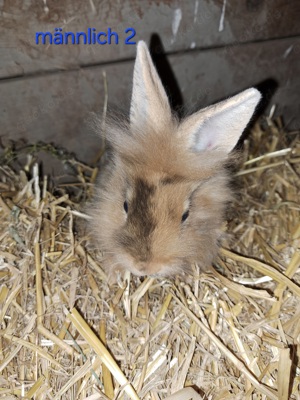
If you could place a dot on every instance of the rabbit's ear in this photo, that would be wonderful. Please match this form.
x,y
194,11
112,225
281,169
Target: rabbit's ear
x,y
220,126
149,102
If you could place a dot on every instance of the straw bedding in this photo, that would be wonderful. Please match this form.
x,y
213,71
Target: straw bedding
x,y
231,333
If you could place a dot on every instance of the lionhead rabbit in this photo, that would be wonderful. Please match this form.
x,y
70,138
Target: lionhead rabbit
x,y
160,201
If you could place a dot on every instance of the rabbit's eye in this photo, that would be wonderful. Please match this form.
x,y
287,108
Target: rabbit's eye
x,y
125,206
184,216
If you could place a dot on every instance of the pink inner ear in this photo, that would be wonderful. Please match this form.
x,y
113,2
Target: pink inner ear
x,y
219,127
210,134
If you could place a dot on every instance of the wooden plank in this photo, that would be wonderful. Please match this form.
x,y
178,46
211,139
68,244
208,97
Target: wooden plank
x,y
53,107
181,25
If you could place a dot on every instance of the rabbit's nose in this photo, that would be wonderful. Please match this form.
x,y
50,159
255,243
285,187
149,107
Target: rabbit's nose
x,y
143,266
148,267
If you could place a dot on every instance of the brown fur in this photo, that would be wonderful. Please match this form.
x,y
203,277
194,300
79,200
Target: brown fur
x,y
157,175
164,168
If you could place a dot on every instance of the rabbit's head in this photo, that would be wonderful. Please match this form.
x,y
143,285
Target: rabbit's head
x,y
160,202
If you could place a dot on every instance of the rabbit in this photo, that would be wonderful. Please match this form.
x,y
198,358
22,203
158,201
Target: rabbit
x,y
160,201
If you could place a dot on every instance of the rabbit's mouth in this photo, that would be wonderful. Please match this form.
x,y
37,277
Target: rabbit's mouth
x,y
143,268
155,269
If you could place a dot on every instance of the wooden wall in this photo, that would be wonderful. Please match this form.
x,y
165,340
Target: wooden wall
x,y
214,49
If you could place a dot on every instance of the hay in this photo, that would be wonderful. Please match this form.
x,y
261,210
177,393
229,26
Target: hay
x,y
234,332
